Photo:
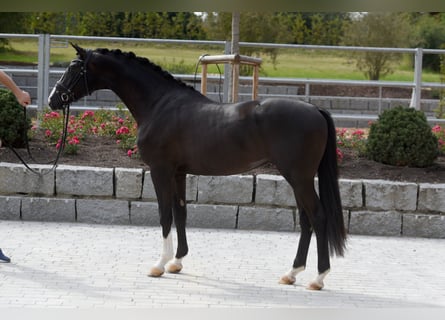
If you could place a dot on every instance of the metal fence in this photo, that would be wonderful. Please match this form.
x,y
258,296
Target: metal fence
x,y
46,41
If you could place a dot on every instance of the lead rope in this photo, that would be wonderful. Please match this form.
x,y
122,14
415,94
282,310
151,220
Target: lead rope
x,y
66,115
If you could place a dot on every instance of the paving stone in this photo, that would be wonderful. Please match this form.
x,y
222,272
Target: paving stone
x,y
375,223
10,208
211,216
351,192
128,182
424,225
103,211
260,218
144,213
225,189
84,181
431,197
273,190
104,267
15,178
48,209
390,195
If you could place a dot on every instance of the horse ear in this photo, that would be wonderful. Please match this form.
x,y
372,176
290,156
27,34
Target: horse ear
x,y
81,52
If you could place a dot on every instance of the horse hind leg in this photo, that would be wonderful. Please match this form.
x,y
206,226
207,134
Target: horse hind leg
x,y
303,246
312,218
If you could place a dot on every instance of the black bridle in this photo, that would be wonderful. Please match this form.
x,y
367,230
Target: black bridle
x,y
64,93
66,96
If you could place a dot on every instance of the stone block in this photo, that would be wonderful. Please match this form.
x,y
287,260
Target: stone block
x,y
128,182
16,178
431,197
351,193
103,211
84,181
144,213
225,189
48,209
260,218
10,208
390,195
191,187
211,216
375,223
274,190
424,225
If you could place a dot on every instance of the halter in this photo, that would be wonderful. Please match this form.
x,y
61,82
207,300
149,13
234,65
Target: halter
x,y
65,93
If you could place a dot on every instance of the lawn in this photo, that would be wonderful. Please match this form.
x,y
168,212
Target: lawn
x,y
290,63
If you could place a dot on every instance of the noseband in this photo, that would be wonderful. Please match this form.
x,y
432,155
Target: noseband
x,y
65,93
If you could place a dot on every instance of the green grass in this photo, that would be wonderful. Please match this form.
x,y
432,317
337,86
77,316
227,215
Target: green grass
x,y
289,64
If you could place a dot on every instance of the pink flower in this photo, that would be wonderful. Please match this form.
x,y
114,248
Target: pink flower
x,y
48,133
436,128
339,155
129,153
87,114
122,130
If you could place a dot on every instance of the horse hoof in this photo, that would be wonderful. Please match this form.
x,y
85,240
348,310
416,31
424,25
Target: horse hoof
x,y
315,286
286,279
156,272
174,267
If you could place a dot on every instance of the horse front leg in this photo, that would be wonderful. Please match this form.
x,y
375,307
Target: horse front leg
x,y
180,216
164,185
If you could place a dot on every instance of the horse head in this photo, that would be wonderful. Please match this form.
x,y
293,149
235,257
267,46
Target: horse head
x,y
73,84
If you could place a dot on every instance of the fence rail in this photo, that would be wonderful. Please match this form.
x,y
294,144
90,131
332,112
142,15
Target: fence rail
x,y
44,71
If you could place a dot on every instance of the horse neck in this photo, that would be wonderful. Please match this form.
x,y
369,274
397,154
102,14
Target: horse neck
x,y
142,89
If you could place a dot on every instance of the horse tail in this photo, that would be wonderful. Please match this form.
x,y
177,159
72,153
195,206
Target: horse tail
x,y
329,191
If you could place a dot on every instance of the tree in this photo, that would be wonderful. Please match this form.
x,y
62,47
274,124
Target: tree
x,y
430,32
377,30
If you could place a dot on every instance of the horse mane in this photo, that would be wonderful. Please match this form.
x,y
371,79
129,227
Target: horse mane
x,y
144,62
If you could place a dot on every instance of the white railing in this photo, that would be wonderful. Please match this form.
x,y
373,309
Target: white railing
x,y
44,47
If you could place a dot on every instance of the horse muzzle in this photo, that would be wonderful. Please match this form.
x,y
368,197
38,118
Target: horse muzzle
x,y
59,97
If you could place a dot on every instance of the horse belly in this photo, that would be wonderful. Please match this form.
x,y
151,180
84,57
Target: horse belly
x,y
224,158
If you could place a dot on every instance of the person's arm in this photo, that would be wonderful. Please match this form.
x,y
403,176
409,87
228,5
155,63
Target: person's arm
x,y
23,97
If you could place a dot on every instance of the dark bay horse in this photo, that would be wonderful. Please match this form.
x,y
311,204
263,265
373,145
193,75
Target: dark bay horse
x,y
181,131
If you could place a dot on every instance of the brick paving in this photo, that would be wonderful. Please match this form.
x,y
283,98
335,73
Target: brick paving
x,y
75,265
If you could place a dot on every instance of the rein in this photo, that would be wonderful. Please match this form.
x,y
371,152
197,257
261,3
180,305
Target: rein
x,y
66,115
66,96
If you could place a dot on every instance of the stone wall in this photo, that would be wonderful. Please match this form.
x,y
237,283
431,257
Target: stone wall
x,y
262,202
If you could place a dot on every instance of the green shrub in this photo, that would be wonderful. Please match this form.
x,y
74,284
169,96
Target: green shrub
x,y
402,137
13,127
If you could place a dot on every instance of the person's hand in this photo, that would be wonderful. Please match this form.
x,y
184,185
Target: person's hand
x,y
23,98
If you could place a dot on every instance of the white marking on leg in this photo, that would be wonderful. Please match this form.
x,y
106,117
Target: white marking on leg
x,y
290,276
318,284
166,256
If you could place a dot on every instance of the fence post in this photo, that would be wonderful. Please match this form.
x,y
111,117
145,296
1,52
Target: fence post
x,y
43,71
227,75
415,99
